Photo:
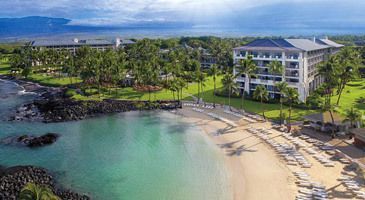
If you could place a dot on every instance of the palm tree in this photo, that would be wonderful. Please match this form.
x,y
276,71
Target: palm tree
x,y
173,88
229,85
291,96
214,71
201,80
180,83
33,191
276,67
281,87
352,116
261,94
247,67
348,68
329,70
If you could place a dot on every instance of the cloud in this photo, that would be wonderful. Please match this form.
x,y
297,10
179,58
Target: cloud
x,y
198,12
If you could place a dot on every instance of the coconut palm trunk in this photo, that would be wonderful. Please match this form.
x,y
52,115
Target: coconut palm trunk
x,y
214,79
229,98
263,109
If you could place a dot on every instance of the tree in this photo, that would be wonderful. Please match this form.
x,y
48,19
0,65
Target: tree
x,y
247,67
262,95
70,68
291,97
214,71
229,85
352,116
281,87
349,61
180,83
120,69
82,61
173,87
22,62
201,82
32,191
198,77
276,67
329,71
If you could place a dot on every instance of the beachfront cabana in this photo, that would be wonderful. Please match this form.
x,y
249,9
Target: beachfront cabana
x,y
323,121
359,137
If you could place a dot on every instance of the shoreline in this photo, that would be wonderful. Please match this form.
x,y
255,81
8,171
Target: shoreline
x,y
244,166
254,164
259,171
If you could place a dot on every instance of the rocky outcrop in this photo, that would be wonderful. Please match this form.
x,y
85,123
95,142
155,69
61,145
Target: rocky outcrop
x,y
60,110
53,105
13,179
31,141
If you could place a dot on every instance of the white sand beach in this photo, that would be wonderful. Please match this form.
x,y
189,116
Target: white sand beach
x,y
259,172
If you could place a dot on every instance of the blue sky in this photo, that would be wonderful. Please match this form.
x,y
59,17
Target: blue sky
x,y
255,13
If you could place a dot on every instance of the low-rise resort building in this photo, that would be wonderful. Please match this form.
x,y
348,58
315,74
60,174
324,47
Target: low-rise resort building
x,y
73,44
299,56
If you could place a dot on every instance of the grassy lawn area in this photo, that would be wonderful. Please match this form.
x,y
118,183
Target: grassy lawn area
x,y
4,66
271,110
52,81
352,92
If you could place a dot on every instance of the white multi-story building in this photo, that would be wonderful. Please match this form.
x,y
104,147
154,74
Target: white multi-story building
x,y
299,56
73,44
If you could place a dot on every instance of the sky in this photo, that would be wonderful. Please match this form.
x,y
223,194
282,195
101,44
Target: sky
x,y
255,13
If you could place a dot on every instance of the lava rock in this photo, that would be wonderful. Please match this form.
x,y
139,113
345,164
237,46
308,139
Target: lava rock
x,y
13,179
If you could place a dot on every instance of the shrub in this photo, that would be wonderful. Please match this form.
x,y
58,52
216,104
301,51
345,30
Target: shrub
x,y
70,93
314,101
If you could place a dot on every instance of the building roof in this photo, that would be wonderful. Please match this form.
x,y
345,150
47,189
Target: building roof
x,y
324,118
286,44
329,43
269,44
69,42
359,133
127,42
306,45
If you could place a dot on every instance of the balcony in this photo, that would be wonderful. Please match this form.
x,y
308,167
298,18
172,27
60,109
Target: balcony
x,y
240,79
292,57
292,65
296,75
292,73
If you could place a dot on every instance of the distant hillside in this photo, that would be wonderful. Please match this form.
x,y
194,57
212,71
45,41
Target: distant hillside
x,y
31,25
35,26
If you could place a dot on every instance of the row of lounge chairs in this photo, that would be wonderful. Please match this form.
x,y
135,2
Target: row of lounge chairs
x,y
288,152
215,116
206,106
245,116
353,186
324,161
320,146
308,189
198,110
294,140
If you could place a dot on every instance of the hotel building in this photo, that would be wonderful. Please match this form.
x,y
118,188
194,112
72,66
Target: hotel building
x,y
73,44
299,56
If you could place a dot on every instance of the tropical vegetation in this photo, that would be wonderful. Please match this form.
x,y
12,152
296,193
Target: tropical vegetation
x,y
32,191
171,69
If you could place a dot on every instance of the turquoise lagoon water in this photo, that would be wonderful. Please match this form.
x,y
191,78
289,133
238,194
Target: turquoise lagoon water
x,y
136,155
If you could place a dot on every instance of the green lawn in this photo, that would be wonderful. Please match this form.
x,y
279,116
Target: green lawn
x,y
52,80
271,110
352,92
4,67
